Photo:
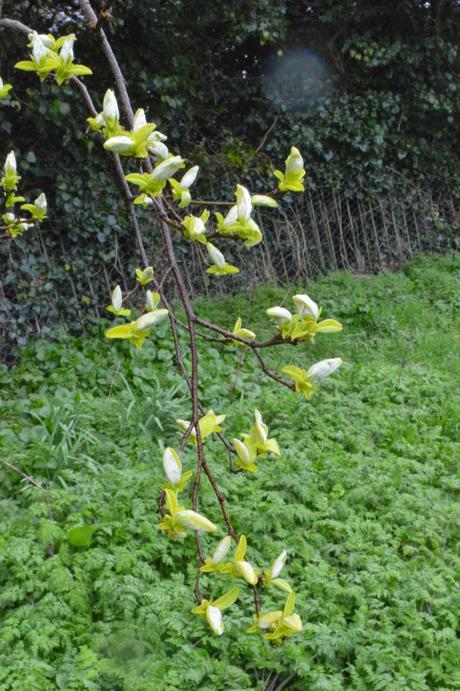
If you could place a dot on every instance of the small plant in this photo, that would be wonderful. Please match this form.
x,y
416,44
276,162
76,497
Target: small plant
x,y
163,183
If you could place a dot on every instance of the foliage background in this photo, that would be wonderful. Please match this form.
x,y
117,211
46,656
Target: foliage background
x,y
365,498
370,94
369,91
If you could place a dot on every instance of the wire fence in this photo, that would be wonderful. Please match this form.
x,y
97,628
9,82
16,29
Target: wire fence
x,y
322,230
327,230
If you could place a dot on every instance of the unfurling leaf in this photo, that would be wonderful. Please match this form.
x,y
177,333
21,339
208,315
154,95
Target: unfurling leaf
x,y
81,535
4,89
212,610
136,331
292,178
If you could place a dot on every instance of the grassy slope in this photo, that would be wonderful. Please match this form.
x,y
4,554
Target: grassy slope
x,y
365,498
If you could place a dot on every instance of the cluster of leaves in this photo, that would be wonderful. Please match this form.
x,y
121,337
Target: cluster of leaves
x,y
143,139
178,521
59,279
14,225
365,503
137,330
52,56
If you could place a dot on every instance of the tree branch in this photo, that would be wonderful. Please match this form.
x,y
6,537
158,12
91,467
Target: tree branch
x,y
92,20
15,25
26,477
166,223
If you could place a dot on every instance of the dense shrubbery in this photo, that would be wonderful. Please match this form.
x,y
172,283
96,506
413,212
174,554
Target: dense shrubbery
x,y
358,88
365,498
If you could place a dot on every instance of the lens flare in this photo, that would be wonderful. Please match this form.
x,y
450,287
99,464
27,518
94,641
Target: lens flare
x,y
297,80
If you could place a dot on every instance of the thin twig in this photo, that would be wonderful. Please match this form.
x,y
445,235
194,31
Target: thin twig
x,y
209,202
285,681
271,374
256,599
277,339
26,477
92,20
86,95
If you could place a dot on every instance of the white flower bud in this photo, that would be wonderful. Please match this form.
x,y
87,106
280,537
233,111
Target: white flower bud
x,y
10,164
195,521
263,200
190,176
146,321
149,302
66,52
39,49
139,119
40,202
324,368
279,314
110,106
278,564
306,307
216,255
172,465
231,217
294,161
261,427
243,203
117,298
195,226
166,169
247,571
221,550
159,149
44,38
242,451
214,617
119,144
294,622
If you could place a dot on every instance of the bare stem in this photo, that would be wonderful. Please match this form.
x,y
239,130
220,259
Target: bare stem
x,y
26,477
92,20
208,202
256,599
254,346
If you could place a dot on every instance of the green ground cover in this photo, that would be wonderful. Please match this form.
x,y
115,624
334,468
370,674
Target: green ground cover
x,y
364,497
